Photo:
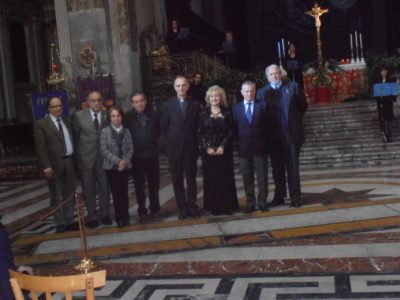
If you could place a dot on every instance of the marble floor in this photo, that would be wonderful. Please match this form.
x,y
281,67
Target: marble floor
x,y
343,243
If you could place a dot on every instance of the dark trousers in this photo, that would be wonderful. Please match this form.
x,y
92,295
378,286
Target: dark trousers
x,y
147,168
118,181
185,167
61,187
259,164
6,262
285,159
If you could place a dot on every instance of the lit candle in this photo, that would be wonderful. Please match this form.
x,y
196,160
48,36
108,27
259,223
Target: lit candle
x,y
283,47
279,51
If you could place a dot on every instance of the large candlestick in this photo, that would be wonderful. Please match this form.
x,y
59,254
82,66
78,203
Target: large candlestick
x,y
351,48
283,47
356,39
279,50
361,49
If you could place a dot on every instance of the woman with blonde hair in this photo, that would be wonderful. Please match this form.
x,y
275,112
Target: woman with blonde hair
x,y
215,142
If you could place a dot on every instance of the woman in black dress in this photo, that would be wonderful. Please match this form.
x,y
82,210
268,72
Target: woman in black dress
x,y
293,66
215,142
384,105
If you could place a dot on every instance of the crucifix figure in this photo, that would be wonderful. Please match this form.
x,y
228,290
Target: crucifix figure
x,y
316,12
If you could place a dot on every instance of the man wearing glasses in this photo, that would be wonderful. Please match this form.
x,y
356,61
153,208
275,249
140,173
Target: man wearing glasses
x,y
54,148
87,126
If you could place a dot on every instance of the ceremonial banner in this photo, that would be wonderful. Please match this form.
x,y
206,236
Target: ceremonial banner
x,y
38,101
386,89
103,84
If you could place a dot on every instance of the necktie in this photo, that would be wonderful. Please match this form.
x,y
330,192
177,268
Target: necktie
x,y
182,104
60,129
96,122
248,112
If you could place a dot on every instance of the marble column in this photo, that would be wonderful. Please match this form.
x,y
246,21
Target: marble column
x,y
37,50
64,38
7,98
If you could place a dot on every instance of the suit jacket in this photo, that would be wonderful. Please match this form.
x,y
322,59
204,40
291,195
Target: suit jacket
x,y
145,139
180,129
49,144
297,107
87,137
252,136
110,151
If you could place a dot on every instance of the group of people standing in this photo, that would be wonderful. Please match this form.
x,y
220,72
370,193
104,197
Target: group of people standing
x,y
108,146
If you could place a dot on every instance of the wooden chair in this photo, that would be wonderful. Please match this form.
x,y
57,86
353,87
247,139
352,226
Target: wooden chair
x,y
56,284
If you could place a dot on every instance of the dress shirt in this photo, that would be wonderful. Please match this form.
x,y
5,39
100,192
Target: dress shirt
x,y
251,107
68,143
98,113
277,85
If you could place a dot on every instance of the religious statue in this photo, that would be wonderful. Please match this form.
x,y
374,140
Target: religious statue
x,y
316,12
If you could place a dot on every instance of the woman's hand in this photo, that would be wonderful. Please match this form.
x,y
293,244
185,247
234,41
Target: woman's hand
x,y
210,151
220,151
121,165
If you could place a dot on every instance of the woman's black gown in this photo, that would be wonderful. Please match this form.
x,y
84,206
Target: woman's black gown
x,y
218,177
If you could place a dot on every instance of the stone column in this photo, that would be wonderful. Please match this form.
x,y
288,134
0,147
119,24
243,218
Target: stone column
x,y
7,98
37,49
64,38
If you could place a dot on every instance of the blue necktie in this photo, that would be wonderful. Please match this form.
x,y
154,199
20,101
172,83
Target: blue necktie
x,y
248,112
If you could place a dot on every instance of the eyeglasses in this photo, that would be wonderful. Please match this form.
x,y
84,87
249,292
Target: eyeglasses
x,y
95,100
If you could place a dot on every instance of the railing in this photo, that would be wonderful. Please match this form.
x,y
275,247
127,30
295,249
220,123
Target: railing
x,y
159,71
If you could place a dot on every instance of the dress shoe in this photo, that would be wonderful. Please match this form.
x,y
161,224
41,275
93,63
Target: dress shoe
x,y
249,209
195,213
182,215
92,223
127,223
106,220
72,227
60,228
277,202
120,224
296,203
154,215
263,207
143,217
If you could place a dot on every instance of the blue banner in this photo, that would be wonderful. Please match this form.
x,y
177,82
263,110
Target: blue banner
x,y
38,102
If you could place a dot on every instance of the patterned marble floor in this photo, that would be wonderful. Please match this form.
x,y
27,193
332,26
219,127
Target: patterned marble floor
x,y
344,243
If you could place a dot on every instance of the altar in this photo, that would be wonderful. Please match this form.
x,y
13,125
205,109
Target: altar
x,y
344,83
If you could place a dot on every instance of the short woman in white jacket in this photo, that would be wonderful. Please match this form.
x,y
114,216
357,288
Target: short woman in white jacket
x,y
117,149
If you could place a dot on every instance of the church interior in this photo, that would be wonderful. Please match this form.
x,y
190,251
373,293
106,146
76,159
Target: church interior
x,y
342,243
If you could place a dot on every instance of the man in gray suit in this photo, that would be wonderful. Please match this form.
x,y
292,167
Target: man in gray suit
x,y
54,147
87,126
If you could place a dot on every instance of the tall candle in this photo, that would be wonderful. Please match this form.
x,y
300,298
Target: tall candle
x,y
355,36
361,43
283,47
351,41
279,51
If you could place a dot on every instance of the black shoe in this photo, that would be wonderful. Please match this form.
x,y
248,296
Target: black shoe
x,y
296,203
92,223
72,227
120,224
182,214
154,215
249,209
106,220
195,213
60,228
263,207
143,217
127,223
277,202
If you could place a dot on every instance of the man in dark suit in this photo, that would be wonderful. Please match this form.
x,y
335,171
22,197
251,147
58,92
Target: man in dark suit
x,y
250,117
287,104
54,147
6,263
144,125
87,126
180,118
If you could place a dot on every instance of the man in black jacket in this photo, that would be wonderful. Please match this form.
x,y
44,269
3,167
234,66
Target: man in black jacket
x,y
144,125
180,121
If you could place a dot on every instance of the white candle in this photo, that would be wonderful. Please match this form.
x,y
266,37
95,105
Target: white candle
x,y
279,51
355,37
283,47
351,41
361,43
